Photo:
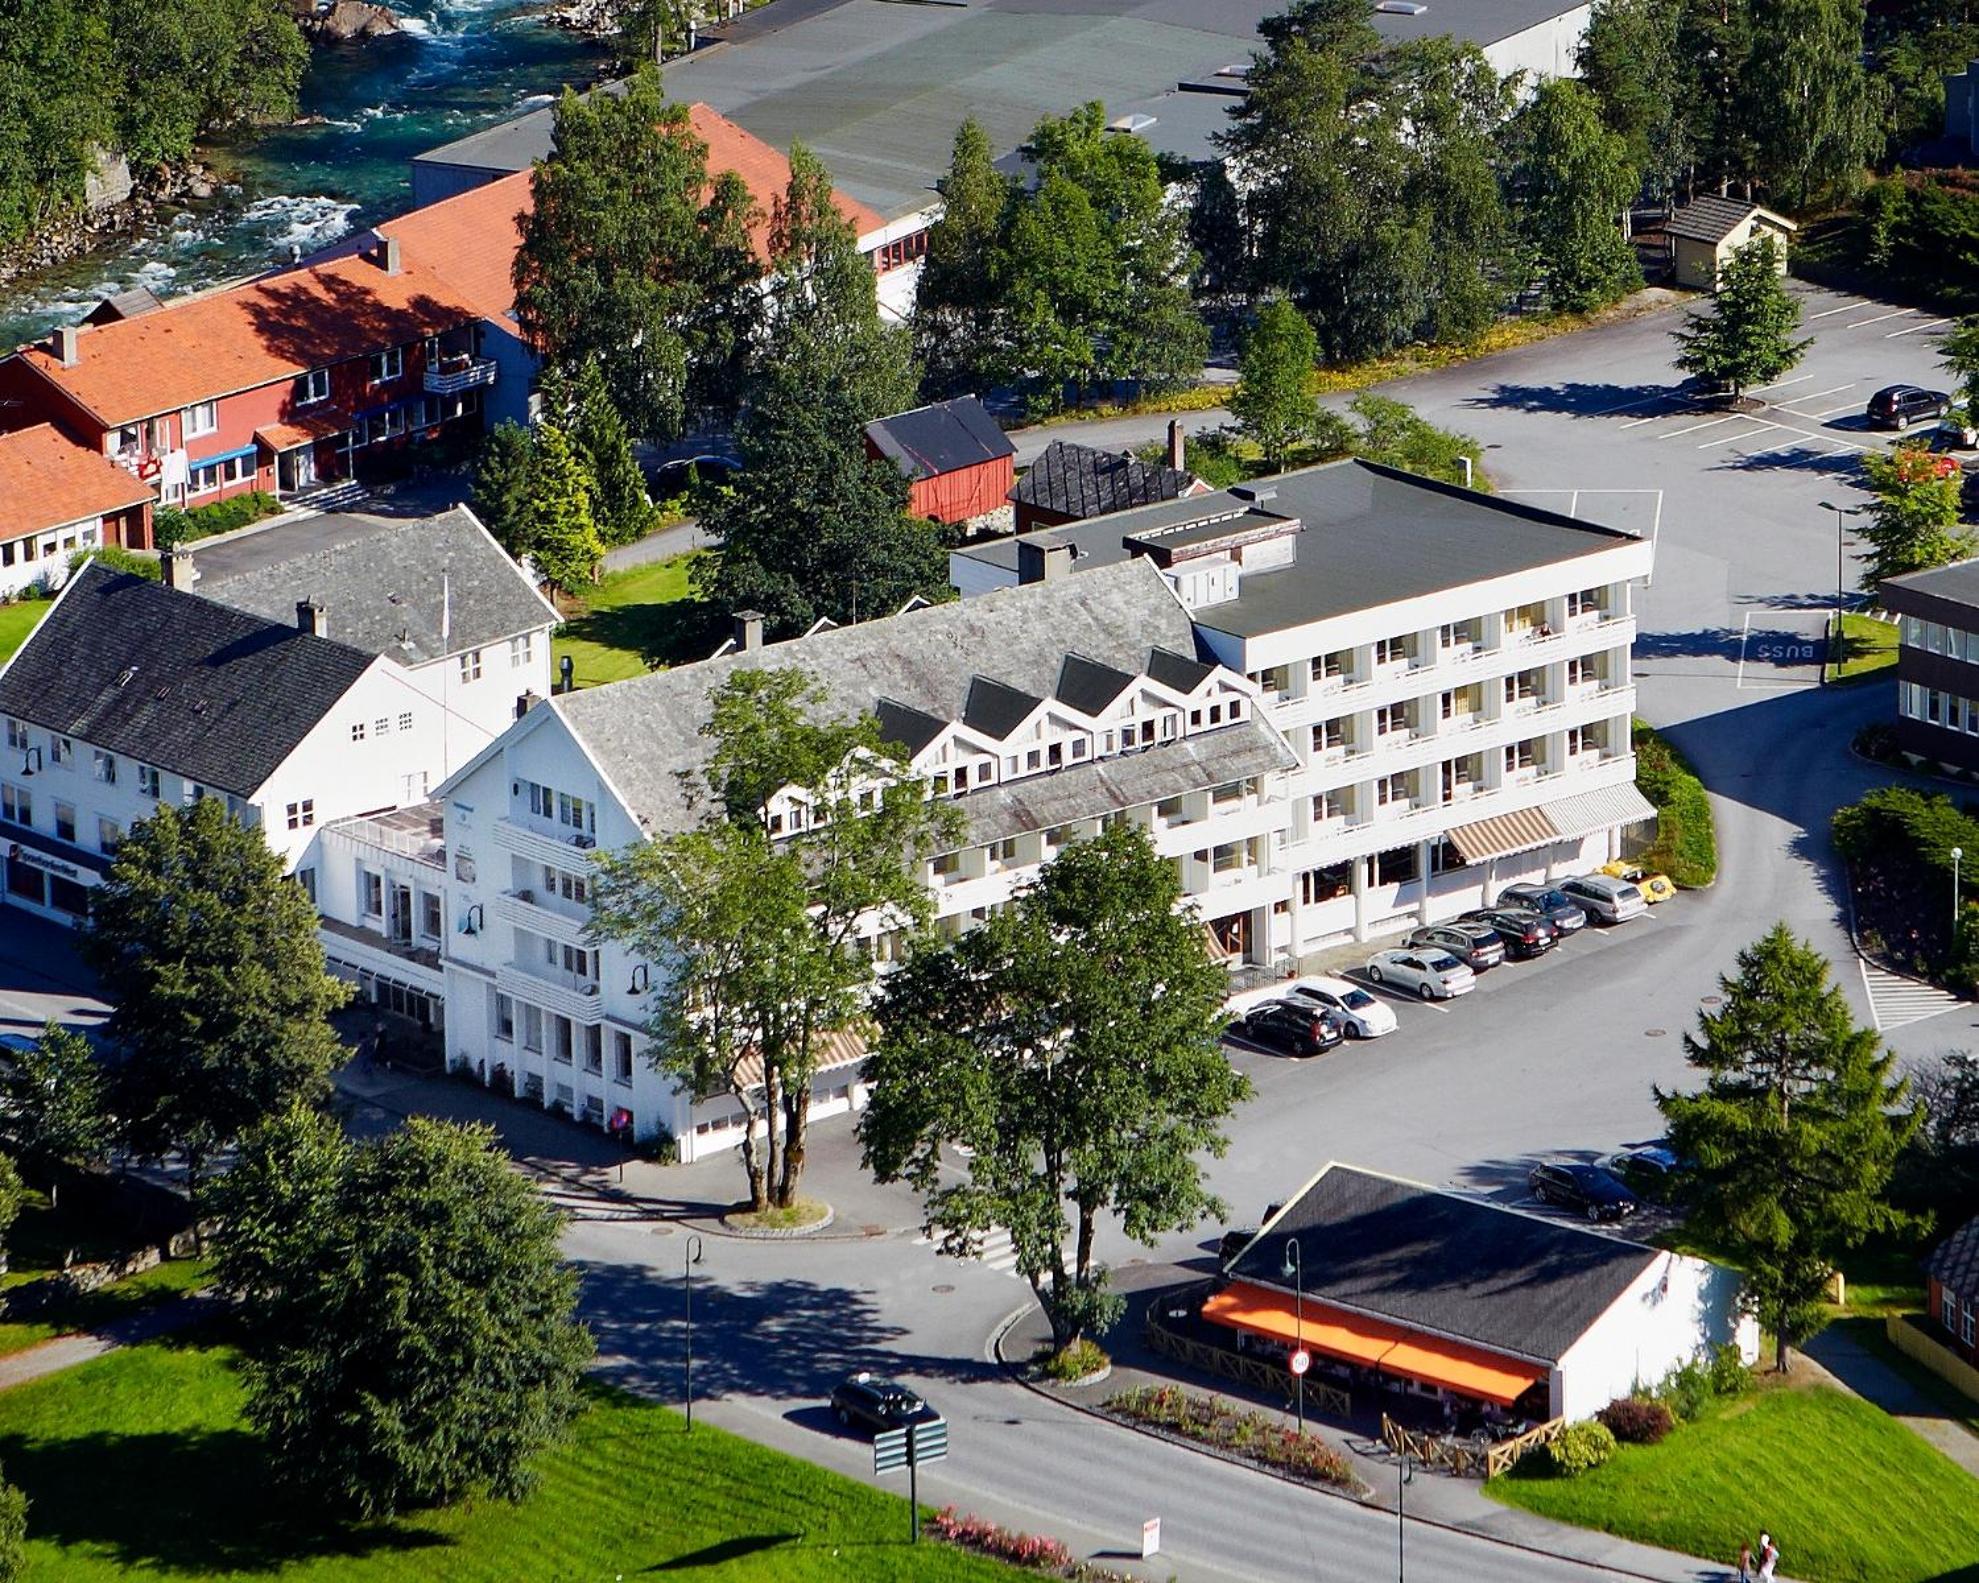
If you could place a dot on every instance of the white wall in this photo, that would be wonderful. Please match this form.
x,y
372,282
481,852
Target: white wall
x,y
1677,1308
1547,50
52,548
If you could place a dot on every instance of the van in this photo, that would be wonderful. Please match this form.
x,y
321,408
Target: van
x,y
1605,898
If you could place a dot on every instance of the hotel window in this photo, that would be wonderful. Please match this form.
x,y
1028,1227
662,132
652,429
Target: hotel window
x,y
470,666
621,1056
65,821
306,878
313,387
1392,789
17,804
1389,651
1585,603
302,814
147,779
1518,755
562,1048
405,721
429,914
1228,858
388,364
594,1048
532,1028
109,836
1326,666
1391,718
1458,633
16,734
1580,739
1581,670
1005,851
382,726
1329,805
60,750
946,864
357,731
504,1019
1325,884
371,888
106,767
520,651
202,418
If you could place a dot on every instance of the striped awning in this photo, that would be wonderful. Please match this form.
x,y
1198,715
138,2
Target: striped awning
x,y
840,1047
1605,809
1503,834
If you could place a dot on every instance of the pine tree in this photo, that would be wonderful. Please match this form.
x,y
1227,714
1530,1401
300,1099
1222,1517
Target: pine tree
x,y
1274,403
618,487
957,304
1790,1143
501,486
1748,337
563,534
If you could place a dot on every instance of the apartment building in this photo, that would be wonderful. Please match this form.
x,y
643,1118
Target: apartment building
x,y
1452,671
1937,696
1044,713
57,498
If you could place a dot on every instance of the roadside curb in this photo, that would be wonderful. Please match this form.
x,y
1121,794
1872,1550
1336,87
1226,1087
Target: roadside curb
x,y
779,1233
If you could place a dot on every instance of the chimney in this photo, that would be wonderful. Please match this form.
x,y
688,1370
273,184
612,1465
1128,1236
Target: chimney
x,y
1042,561
748,630
67,350
1176,454
172,567
525,702
388,255
311,617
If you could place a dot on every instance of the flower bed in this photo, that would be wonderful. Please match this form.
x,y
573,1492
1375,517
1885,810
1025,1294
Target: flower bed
x,y
1254,1436
1049,1556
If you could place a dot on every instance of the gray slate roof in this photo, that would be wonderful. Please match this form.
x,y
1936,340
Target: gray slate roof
x,y
387,585
941,438
1443,1262
1954,1264
215,694
645,732
1712,219
1957,583
1072,480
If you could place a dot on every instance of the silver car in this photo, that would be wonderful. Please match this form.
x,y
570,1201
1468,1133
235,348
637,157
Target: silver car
x,y
1604,898
1432,975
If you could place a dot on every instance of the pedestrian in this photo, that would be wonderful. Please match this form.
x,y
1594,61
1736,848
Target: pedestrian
x,y
1769,1558
1744,1562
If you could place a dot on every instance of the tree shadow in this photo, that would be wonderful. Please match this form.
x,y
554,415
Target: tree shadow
x,y
674,632
1796,459
726,1551
1576,398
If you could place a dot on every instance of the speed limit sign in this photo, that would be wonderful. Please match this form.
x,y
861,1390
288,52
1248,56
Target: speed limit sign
x,y
1301,1361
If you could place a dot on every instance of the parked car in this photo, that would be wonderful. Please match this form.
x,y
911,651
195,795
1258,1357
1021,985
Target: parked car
x,y
1585,1189
1234,1241
1295,1028
1360,1013
1899,406
1523,932
1654,887
1648,1170
1604,898
1548,901
1476,945
1433,975
870,1402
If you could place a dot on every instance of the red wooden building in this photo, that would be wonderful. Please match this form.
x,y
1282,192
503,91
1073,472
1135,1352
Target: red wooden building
x,y
57,498
958,463
1952,1275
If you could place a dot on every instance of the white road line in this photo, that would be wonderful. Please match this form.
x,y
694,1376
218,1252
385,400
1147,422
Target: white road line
x,y
1765,427
1825,412
1745,634
1633,401
1899,314
1869,994
1709,423
1655,528
1654,417
1800,441
1891,335
1847,307
1779,384
1816,395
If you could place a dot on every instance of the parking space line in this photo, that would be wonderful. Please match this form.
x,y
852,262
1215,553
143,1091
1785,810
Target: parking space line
x,y
1670,409
1765,427
1900,313
1779,384
1816,395
1847,307
1825,412
1891,335
1745,633
1709,423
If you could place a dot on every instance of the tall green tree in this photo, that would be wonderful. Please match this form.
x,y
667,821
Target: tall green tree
x,y
1793,1134
1632,59
13,1196
1071,1044
958,301
408,1324
221,1015
559,532
1748,336
501,485
1815,115
756,914
1912,520
1958,354
635,258
54,1108
619,505
1571,181
1396,435
1274,404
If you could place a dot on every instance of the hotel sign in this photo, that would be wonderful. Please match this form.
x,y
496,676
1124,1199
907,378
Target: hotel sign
x,y
29,858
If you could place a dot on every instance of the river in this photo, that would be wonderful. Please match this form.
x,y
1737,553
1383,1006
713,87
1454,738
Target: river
x,y
459,65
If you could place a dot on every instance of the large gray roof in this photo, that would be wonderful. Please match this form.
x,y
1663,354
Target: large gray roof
x,y
388,585
645,732
877,89
1445,1262
214,694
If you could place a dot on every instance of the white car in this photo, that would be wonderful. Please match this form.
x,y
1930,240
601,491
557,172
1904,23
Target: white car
x,y
1433,975
1360,1013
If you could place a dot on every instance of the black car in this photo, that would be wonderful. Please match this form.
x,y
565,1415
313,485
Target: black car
x,y
1291,1029
1586,1189
1233,1242
1648,1170
1899,406
876,1404
1525,934
1476,945
1555,906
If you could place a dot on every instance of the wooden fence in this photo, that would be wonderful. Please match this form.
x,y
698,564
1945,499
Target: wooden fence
x,y
1467,1458
1915,1343
1259,1373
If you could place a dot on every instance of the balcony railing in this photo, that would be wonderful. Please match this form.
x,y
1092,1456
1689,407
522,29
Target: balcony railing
x,y
455,375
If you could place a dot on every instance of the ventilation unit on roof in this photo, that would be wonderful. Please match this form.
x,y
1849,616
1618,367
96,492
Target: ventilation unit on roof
x,y
1401,7
1130,123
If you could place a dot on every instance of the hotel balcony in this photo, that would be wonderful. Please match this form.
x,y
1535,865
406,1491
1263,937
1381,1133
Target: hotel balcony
x,y
456,374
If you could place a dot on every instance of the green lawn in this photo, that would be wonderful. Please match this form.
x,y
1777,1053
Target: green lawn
x,y
17,620
160,1284
635,621
1850,1494
1868,646
140,1463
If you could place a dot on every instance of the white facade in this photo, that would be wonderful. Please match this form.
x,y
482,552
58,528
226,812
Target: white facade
x,y
1549,49
41,560
1676,1310
477,693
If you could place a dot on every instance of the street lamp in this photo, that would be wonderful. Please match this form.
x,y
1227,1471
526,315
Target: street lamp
x,y
1295,1266
1405,1475
1957,853
1841,578
691,1257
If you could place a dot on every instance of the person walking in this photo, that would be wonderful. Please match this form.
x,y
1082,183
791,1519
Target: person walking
x,y
1769,1558
1744,1562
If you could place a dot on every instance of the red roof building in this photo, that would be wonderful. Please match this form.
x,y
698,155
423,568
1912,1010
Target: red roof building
x,y
959,465
57,498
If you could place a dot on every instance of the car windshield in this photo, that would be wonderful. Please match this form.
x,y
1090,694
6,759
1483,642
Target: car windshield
x,y
1357,998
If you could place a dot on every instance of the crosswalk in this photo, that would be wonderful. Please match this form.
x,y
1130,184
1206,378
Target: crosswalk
x,y
996,1251
1895,1000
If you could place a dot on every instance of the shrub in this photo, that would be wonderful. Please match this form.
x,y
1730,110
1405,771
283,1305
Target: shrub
x,y
1877,741
1636,1420
1074,1362
1686,846
223,516
1687,1389
1731,1375
118,559
1581,1448
980,1534
1211,1421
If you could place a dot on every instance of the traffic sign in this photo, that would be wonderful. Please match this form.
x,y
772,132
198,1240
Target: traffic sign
x,y
1301,1361
908,1447
890,1450
1150,1537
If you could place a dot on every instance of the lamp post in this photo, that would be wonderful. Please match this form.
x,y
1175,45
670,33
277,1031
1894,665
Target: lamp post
x,y
1957,853
1405,1475
691,1257
1295,1266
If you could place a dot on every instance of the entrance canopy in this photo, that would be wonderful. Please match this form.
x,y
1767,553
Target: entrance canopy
x,y
1377,1343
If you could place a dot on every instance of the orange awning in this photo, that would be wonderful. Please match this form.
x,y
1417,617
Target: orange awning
x,y
301,430
1380,1343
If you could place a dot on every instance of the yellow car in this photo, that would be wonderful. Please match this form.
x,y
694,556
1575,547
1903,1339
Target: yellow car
x,y
1654,887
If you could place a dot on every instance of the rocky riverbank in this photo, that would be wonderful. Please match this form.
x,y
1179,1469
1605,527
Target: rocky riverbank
x,y
344,21
119,204
589,18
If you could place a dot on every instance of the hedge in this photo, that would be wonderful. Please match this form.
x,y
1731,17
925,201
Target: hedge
x,y
1686,846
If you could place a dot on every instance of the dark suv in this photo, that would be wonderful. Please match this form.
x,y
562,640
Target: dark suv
x,y
1476,945
1585,1189
1555,906
1291,1029
876,1404
1525,933
1899,406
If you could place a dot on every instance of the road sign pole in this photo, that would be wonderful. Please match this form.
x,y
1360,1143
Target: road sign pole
x,y
913,1493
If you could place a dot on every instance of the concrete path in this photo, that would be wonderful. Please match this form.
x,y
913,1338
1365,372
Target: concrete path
x,y
1855,1368
661,546
65,1352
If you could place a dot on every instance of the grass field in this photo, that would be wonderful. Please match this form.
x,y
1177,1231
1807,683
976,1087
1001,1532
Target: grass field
x,y
140,1463
1850,1495
1868,646
635,621
135,1293
17,620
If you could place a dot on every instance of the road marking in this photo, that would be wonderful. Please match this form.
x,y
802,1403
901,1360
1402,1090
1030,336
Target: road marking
x,y
1899,314
1816,395
1896,1000
1825,412
1781,384
1710,423
995,1250
1847,307
1655,417
1766,426
1891,335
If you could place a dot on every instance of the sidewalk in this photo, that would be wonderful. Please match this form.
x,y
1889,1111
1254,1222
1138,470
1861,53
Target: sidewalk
x,y
1855,1368
65,1352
